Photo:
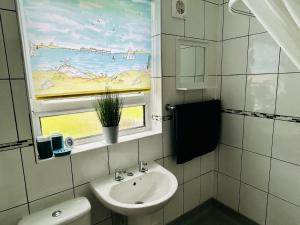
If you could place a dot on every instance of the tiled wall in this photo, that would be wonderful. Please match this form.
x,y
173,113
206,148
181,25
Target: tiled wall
x,y
259,155
26,187
196,177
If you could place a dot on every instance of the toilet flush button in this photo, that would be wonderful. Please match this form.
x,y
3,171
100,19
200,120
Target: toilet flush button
x,y
56,213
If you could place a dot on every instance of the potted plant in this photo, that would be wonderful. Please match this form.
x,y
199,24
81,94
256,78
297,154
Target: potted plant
x,y
109,110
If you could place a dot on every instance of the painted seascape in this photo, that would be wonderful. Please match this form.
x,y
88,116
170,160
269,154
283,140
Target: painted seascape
x,y
76,48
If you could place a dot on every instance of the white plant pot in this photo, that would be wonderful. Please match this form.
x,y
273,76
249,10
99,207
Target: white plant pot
x,y
111,134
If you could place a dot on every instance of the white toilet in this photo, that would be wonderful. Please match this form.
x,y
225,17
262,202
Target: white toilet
x,y
74,212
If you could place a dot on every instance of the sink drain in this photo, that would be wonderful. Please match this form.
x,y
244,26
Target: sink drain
x,y
139,202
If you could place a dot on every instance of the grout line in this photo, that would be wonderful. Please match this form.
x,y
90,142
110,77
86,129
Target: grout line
x,y
261,74
108,162
80,185
221,85
204,13
25,183
56,193
245,102
10,83
14,207
272,144
9,10
246,35
72,176
138,150
184,36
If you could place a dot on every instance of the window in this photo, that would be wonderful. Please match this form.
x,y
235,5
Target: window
x,y
74,50
86,124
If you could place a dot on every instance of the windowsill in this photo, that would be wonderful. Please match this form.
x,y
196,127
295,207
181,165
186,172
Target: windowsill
x,y
100,144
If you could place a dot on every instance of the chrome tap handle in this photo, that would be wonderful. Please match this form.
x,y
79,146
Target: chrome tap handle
x,y
118,175
143,167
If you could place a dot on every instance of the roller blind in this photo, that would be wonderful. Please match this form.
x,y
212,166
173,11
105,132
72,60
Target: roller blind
x,y
81,47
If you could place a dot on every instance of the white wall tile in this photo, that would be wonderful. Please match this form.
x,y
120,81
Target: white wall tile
x,y
156,102
207,186
191,194
288,90
156,62
256,26
281,212
47,177
156,17
235,56
171,25
90,165
286,141
232,129
168,55
193,96
99,212
52,200
285,181
7,4
261,93
22,109
13,44
167,139
194,21
13,216
174,208
234,25
286,65
211,59
170,94
207,162
157,217
211,21
258,135
150,148
8,132
127,151
12,186
255,170
253,204
263,54
228,191
214,84
3,63
216,1
176,169
230,161
106,222
233,92
191,169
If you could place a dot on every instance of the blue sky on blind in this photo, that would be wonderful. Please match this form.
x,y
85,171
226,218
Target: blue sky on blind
x,y
114,25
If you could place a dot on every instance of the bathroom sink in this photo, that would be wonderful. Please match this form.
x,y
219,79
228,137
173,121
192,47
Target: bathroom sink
x,y
142,193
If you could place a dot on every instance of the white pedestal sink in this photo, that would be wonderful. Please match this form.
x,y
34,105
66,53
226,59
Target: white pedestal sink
x,y
139,195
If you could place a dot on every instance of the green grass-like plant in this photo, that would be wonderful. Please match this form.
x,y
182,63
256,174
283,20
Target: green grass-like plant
x,y
109,109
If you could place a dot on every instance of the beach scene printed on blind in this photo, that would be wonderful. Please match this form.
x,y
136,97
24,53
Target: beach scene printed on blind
x,y
82,47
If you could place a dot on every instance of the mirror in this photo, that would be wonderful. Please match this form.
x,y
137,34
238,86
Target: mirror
x,y
190,66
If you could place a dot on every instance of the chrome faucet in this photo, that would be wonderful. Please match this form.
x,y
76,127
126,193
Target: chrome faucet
x,y
143,167
119,175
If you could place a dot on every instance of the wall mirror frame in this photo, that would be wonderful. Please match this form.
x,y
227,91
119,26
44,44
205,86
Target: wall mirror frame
x,y
190,64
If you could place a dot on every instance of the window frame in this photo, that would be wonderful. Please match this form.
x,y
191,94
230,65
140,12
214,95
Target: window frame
x,y
50,107
64,105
